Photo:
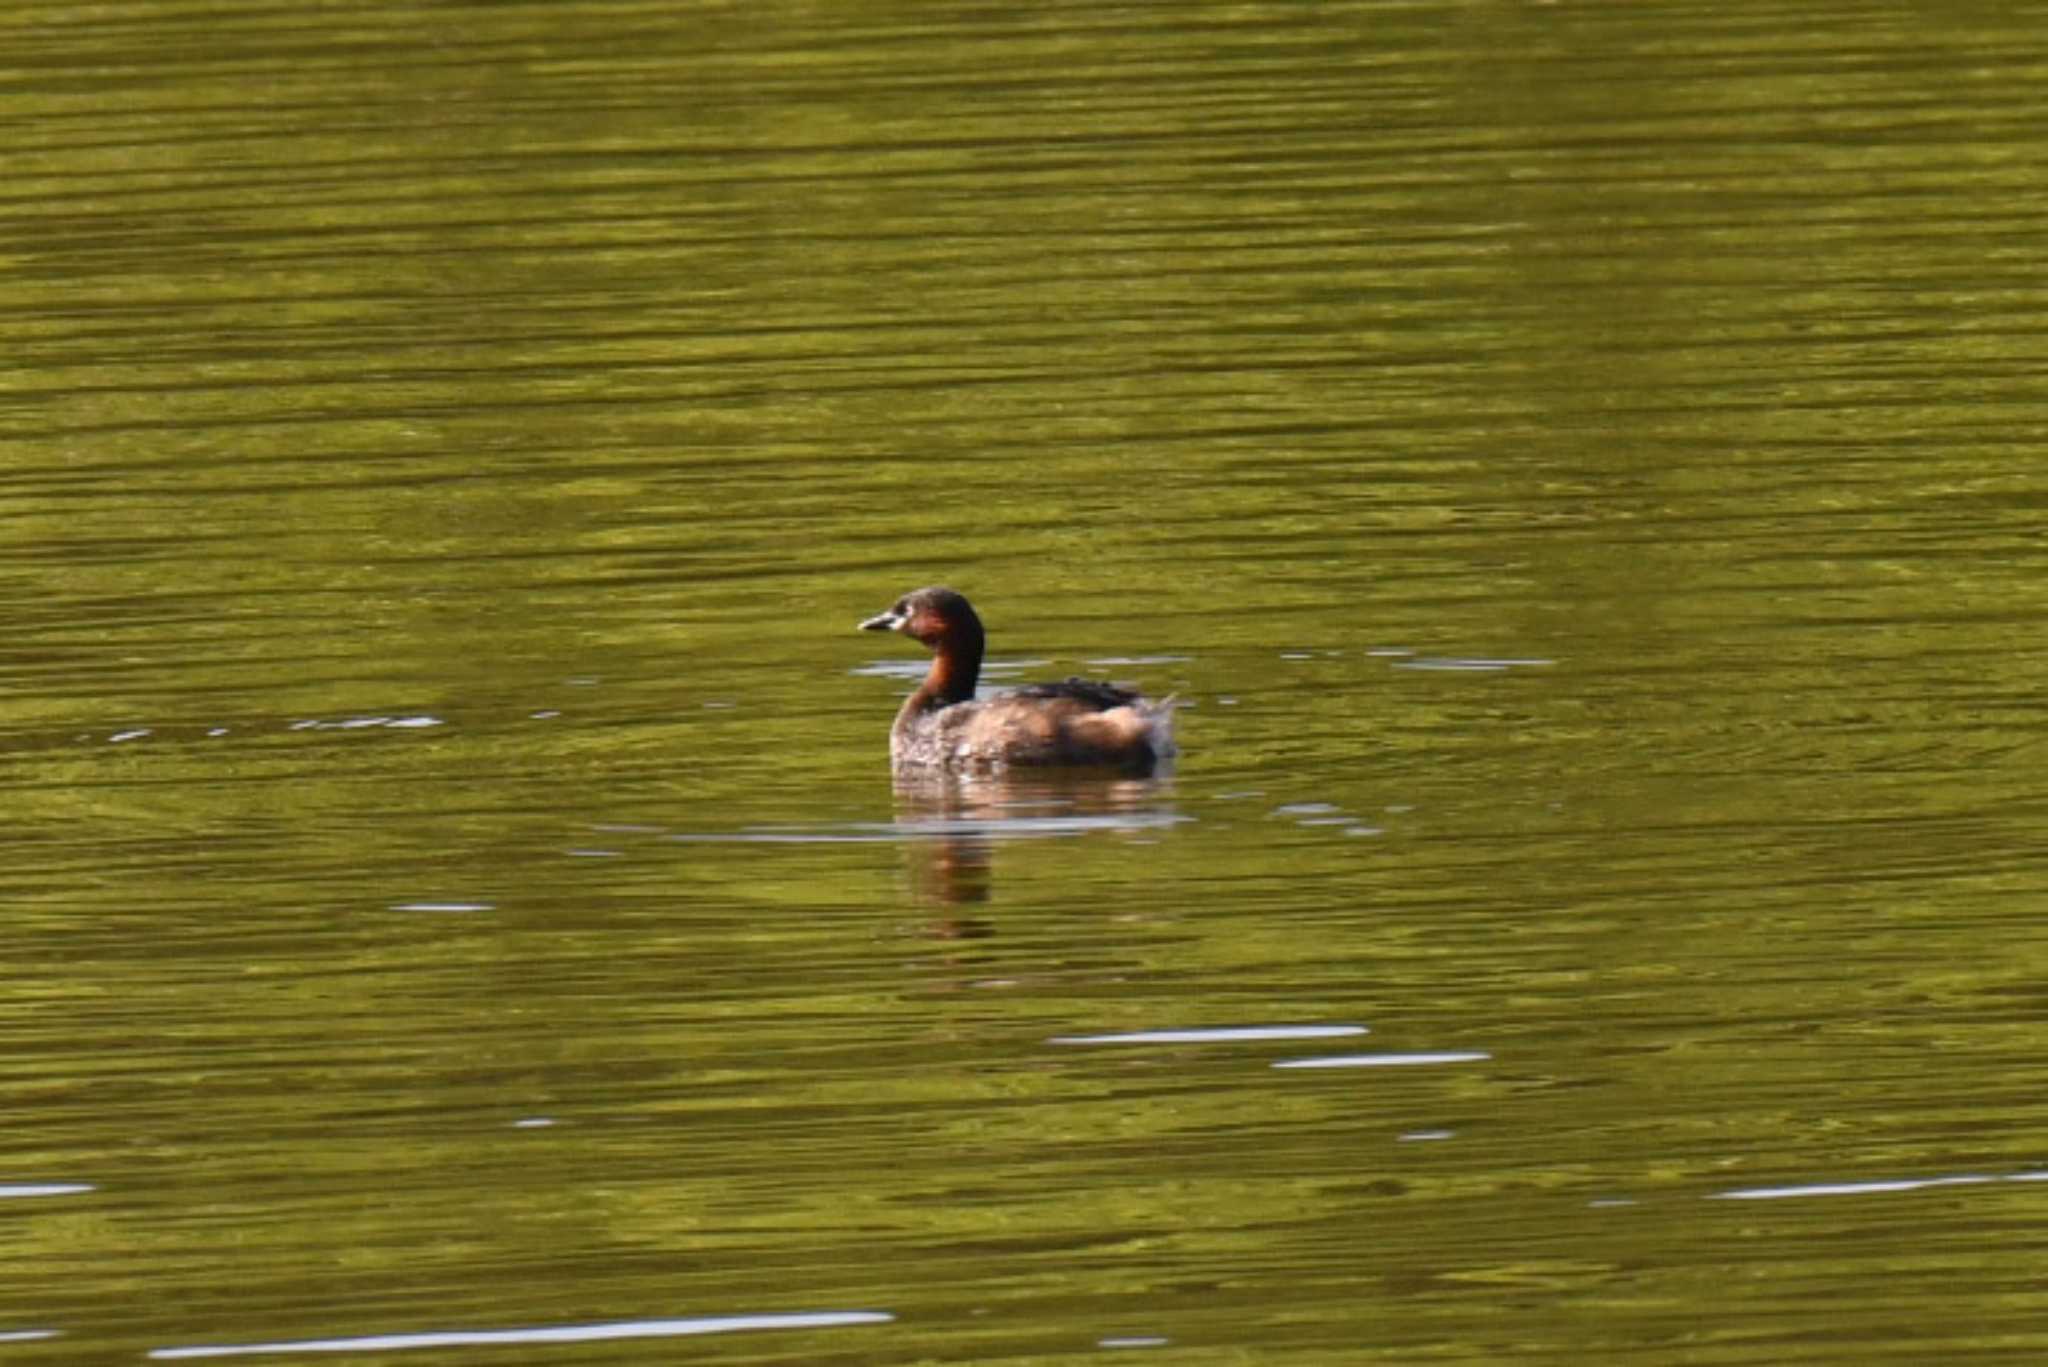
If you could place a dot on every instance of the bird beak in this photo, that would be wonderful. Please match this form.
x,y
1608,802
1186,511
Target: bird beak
x,y
886,621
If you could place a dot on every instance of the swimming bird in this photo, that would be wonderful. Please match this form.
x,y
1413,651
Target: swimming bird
x,y
1076,722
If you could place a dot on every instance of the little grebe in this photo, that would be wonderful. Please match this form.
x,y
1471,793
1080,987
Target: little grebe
x,y
1076,722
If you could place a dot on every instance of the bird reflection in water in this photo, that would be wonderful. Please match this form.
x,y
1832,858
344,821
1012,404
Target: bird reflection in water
x,y
952,824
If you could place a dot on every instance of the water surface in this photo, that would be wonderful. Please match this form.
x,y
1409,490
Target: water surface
x,y
1574,463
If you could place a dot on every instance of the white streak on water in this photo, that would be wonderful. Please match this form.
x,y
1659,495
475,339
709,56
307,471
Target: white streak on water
x,y
1874,1188
569,1333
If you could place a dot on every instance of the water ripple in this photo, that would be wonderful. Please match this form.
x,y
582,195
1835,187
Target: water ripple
x,y
572,1333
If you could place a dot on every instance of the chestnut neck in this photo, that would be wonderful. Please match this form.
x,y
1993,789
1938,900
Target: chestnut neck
x,y
956,668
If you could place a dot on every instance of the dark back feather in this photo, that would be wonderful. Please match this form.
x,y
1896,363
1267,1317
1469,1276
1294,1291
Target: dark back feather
x,y
1096,694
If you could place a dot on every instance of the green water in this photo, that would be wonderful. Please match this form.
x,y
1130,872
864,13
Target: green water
x,y
1574,462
